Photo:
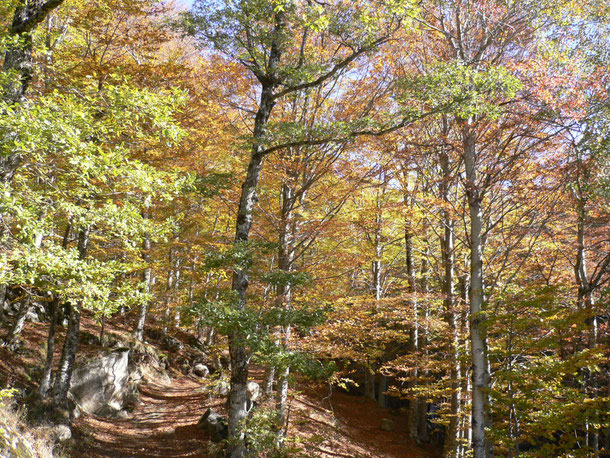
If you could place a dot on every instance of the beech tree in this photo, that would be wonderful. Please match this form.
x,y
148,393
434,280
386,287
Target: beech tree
x,y
273,41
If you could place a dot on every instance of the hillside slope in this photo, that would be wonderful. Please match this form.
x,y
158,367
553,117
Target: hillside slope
x,y
164,421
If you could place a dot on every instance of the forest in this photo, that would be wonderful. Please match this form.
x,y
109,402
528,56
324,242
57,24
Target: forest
x,y
405,203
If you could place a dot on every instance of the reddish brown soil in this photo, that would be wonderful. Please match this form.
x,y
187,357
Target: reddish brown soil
x,y
164,424
345,425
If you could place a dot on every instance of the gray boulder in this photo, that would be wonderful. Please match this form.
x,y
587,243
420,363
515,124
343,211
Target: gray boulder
x,y
221,389
62,433
201,370
254,391
215,425
100,386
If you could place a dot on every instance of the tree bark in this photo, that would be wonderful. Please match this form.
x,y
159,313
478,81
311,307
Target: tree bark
x,y
20,319
284,295
414,401
447,254
47,373
18,60
422,404
586,302
138,331
240,359
68,354
481,380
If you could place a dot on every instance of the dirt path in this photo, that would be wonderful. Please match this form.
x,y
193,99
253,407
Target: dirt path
x,y
164,424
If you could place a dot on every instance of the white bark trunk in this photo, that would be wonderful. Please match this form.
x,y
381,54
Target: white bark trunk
x,y
480,377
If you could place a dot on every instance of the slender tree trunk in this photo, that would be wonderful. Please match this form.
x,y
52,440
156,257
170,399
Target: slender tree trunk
x,y
240,359
176,285
284,293
25,307
369,382
481,380
447,254
47,373
45,383
414,401
269,380
20,319
138,331
382,387
18,63
3,290
378,291
169,288
586,302
466,385
422,404
68,354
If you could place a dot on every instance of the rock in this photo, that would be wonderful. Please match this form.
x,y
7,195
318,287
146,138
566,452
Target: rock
x,y
197,344
33,315
62,433
172,344
99,387
221,389
387,424
254,391
131,398
214,424
201,370
222,362
112,413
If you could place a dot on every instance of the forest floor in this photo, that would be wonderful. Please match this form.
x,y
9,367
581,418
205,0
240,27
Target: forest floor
x,y
164,423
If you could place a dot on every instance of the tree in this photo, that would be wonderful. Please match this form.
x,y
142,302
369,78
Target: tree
x,y
18,64
273,41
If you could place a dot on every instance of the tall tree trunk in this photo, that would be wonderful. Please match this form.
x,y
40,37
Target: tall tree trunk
x,y
414,401
25,307
269,380
481,380
68,354
447,254
284,294
18,62
138,331
240,360
464,329
378,292
20,318
177,273
422,404
586,302
169,288
47,373
3,291
369,381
